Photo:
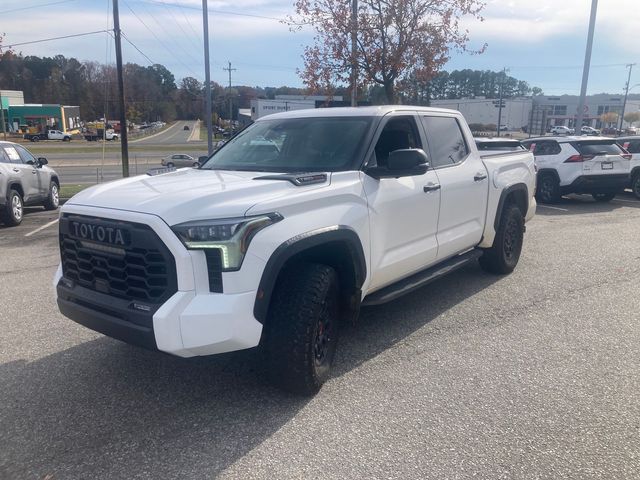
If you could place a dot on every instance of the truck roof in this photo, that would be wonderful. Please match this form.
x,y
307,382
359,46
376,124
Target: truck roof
x,y
374,111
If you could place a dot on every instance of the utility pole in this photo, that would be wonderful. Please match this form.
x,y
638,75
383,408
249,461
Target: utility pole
x,y
3,125
626,94
124,138
354,53
504,76
207,76
585,70
229,69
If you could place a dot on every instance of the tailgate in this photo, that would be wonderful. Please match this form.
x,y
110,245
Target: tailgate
x,y
602,157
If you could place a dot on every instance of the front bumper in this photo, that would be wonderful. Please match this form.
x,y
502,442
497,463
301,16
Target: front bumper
x,y
192,322
597,184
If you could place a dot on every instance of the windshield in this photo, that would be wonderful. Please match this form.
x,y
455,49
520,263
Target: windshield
x,y
294,145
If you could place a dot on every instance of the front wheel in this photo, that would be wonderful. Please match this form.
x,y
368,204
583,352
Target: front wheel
x,y
66,139
504,254
603,197
53,199
170,165
302,328
635,185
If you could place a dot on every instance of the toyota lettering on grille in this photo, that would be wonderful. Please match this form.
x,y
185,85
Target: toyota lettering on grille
x,y
100,233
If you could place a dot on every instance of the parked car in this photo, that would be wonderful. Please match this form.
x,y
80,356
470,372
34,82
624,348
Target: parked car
x,y
24,180
632,145
491,145
594,165
562,130
48,135
611,131
586,130
357,206
180,160
504,128
631,131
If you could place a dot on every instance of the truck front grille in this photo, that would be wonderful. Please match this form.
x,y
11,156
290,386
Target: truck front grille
x,y
136,266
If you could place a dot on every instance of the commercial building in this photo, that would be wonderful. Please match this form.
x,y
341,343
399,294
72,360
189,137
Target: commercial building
x,y
283,103
480,110
36,117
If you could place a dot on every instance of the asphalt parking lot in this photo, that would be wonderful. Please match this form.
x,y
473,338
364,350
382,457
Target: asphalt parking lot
x,y
533,375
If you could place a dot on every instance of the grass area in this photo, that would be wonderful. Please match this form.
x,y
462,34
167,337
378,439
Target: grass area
x,y
68,191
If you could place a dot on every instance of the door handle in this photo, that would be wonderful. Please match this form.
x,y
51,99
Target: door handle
x,y
431,187
17,170
479,176
34,172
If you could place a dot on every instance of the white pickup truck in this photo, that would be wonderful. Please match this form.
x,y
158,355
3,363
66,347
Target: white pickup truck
x,y
48,135
287,230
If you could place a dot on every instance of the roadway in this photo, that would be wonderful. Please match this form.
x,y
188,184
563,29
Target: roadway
x,y
531,375
173,135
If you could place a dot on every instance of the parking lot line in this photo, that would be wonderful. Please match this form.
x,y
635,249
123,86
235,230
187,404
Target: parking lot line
x,y
623,200
554,208
47,225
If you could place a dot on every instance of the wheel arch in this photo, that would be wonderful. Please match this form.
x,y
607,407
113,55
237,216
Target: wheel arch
x,y
548,171
517,194
635,171
54,178
338,247
17,186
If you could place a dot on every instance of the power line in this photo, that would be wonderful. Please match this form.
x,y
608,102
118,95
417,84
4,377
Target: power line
x,y
51,38
136,47
221,12
158,39
177,22
36,6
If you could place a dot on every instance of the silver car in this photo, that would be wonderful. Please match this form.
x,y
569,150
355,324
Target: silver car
x,y
180,160
24,180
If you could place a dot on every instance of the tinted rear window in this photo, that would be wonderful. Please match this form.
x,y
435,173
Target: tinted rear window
x,y
598,147
506,146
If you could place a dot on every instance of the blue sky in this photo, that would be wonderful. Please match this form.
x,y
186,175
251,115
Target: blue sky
x,y
541,42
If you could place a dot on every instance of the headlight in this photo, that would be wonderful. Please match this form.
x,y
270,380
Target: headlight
x,y
231,236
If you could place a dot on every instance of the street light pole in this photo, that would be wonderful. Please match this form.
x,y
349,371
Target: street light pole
x,y
587,65
504,75
354,53
207,76
626,94
124,133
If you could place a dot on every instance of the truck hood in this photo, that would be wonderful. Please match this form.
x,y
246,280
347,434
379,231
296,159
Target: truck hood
x,y
189,194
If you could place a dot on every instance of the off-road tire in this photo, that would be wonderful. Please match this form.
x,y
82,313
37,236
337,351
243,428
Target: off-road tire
x,y
635,185
53,198
504,254
603,197
548,189
301,332
13,211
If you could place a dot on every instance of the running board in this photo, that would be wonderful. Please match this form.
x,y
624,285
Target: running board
x,y
420,279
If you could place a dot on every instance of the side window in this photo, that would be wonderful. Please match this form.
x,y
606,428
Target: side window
x,y
3,157
398,133
634,146
25,155
445,141
547,148
12,154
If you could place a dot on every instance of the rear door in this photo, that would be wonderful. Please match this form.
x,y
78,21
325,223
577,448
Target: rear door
x,y
464,184
602,157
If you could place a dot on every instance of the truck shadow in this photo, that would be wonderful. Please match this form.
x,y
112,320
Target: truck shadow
x,y
103,409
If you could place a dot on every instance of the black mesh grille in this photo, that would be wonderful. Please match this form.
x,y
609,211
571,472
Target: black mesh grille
x,y
214,269
142,269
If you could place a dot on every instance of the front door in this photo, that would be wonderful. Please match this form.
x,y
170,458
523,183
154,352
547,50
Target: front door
x,y
403,214
33,176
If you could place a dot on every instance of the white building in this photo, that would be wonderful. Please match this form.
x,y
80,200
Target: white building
x,y
515,111
283,103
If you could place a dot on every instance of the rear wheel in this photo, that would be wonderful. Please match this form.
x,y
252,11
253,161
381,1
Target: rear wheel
x,y
195,165
53,199
170,165
35,139
13,210
66,139
603,197
302,328
548,190
635,185
504,254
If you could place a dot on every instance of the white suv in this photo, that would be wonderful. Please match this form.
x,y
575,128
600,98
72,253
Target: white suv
x,y
562,130
594,165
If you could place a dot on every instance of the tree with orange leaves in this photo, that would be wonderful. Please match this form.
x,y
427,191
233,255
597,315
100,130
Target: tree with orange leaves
x,y
395,39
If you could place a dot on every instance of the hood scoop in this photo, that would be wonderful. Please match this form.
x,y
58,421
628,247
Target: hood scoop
x,y
298,179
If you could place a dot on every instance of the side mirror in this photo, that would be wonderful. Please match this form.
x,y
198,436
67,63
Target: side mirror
x,y
406,162
42,161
